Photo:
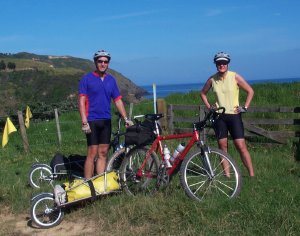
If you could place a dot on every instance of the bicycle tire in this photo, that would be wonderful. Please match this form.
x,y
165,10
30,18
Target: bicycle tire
x,y
115,161
44,213
133,184
197,183
40,174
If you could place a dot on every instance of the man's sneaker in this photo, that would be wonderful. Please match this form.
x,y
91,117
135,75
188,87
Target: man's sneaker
x,y
59,195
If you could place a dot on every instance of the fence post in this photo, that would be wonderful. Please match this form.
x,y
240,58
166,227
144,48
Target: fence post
x,y
162,108
130,110
23,131
57,126
202,115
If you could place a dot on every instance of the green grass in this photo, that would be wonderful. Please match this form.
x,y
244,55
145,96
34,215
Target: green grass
x,y
279,94
268,203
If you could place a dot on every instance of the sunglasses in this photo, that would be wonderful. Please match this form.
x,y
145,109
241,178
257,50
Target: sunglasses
x,y
219,63
100,62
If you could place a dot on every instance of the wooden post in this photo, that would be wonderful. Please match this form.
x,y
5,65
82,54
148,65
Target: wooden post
x,y
57,126
23,131
201,116
162,108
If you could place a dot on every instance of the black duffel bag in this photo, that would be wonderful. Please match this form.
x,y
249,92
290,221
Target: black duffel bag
x,y
141,134
62,164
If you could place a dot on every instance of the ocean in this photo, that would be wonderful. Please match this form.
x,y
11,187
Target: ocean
x,y
167,89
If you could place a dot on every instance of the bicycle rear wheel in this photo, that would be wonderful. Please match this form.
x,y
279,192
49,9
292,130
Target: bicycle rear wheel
x,y
199,184
134,182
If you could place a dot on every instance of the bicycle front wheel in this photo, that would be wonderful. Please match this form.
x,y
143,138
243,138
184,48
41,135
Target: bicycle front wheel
x,y
115,161
216,176
135,180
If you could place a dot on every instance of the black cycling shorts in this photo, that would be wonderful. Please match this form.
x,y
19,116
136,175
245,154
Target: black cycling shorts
x,y
231,123
101,132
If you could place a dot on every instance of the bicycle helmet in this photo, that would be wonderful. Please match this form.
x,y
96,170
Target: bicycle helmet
x,y
101,53
222,56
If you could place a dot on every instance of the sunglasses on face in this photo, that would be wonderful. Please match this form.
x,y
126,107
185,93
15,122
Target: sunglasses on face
x,y
100,62
219,63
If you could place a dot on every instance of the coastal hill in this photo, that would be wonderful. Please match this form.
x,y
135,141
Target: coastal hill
x,y
46,79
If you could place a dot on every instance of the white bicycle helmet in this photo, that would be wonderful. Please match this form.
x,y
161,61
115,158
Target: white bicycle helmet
x,y
222,56
101,53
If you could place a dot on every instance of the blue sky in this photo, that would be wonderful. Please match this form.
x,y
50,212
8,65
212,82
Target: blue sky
x,y
161,41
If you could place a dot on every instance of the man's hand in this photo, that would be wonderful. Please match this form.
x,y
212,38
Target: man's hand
x,y
241,109
86,128
128,122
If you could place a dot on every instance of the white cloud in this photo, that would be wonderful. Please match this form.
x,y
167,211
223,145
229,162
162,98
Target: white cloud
x,y
130,15
9,38
213,12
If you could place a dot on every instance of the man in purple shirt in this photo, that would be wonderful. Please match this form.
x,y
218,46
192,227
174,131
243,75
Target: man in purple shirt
x,y
96,89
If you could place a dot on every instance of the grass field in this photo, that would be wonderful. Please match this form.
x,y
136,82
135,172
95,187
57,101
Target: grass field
x,y
268,203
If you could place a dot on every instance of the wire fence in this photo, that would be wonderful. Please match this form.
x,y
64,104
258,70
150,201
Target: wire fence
x,y
56,126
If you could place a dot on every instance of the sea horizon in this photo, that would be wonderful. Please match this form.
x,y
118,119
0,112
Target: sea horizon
x,y
163,90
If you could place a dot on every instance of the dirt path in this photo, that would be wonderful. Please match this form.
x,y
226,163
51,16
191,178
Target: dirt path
x,y
21,225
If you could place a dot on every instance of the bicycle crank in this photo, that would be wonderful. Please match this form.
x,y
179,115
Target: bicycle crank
x,y
162,177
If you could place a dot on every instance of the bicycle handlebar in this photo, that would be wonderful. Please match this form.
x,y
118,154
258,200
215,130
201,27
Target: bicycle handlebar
x,y
214,111
209,118
138,116
150,116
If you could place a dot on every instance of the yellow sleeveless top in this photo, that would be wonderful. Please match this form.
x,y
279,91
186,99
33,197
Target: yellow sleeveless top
x,y
226,91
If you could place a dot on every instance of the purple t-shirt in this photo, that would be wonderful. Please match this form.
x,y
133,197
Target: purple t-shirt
x,y
98,95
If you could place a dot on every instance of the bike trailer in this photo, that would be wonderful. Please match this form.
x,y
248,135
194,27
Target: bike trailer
x,y
81,189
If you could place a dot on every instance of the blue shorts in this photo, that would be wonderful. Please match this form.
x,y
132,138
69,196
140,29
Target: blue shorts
x,y
101,132
231,123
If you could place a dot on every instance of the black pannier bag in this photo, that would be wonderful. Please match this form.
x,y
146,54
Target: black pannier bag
x,y
61,164
141,133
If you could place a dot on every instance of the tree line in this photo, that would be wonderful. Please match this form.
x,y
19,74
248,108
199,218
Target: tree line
x,y
10,65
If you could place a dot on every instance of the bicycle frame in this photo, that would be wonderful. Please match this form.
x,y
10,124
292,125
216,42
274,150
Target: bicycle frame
x,y
194,138
157,146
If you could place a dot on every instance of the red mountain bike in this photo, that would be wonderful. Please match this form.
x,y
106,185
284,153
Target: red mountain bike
x,y
204,171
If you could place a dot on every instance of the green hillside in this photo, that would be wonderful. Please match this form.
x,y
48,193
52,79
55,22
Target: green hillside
x,y
49,79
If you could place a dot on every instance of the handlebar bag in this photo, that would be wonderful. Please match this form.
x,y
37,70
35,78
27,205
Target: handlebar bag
x,y
140,134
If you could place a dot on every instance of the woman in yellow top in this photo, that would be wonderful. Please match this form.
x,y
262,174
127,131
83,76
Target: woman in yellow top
x,y
226,84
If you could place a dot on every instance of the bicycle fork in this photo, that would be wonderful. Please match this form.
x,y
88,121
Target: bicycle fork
x,y
205,150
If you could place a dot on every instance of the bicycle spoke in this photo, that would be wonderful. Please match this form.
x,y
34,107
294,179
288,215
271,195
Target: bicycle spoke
x,y
43,211
199,183
135,180
40,175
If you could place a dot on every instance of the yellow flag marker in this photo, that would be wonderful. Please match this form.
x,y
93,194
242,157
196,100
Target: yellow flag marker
x,y
28,116
8,128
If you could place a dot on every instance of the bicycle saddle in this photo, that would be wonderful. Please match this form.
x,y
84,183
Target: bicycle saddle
x,y
154,116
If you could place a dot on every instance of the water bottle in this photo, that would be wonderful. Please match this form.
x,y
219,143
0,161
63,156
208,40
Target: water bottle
x,y
167,157
178,150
